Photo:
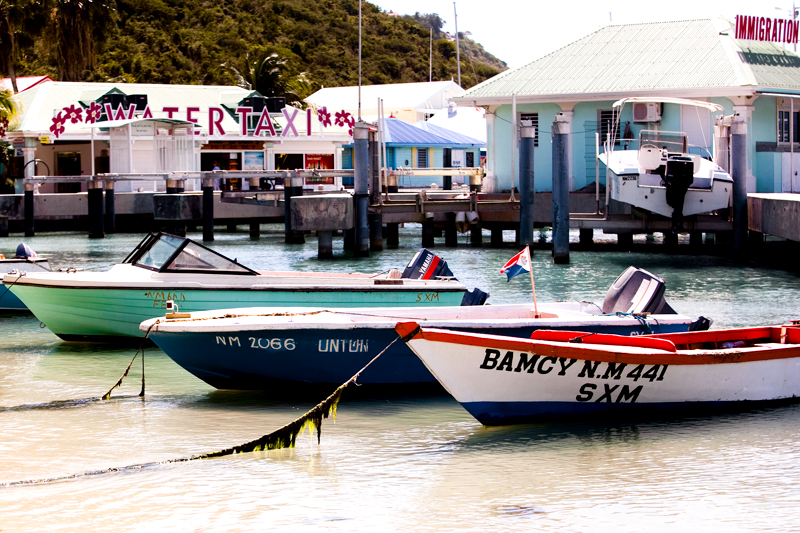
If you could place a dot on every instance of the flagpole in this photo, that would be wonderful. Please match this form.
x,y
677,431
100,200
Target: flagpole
x,y
533,287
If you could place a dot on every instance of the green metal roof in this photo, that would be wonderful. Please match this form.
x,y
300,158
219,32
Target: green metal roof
x,y
689,55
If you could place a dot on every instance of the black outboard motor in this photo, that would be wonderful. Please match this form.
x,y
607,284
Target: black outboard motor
x,y
474,297
678,178
24,251
637,291
426,265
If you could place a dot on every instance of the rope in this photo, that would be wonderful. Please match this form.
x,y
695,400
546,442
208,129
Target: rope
x,y
642,319
283,437
11,285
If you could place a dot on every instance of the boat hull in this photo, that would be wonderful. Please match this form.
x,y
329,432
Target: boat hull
x,y
502,382
78,313
9,302
252,357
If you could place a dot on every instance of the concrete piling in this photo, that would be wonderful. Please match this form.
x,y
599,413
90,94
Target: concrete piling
x,y
28,206
95,201
375,220
111,217
361,187
560,193
739,175
526,191
208,209
392,229
292,186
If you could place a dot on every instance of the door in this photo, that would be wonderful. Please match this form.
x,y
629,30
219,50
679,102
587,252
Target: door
x,y
790,177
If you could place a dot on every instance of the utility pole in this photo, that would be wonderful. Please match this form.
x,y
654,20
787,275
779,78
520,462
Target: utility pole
x,y
430,59
458,51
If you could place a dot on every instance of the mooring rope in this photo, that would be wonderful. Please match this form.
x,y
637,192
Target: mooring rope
x,y
11,285
283,437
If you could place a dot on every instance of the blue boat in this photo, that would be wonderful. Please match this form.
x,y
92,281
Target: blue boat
x,y
272,348
25,260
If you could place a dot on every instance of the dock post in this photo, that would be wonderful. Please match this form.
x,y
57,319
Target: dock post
x,y
428,234
177,227
475,232
526,191
111,211
255,229
497,237
739,175
392,228
28,205
375,219
560,193
325,244
586,236
95,194
360,187
450,232
292,186
208,209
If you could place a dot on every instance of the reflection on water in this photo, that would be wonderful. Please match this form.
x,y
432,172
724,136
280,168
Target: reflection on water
x,y
391,462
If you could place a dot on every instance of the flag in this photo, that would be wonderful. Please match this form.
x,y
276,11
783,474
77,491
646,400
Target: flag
x,y
518,264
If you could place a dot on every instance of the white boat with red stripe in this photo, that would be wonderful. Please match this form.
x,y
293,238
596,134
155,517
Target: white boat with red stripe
x,y
557,374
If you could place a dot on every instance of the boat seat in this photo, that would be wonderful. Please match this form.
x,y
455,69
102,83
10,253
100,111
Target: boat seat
x,y
650,157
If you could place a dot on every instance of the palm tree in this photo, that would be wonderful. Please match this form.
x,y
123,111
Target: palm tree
x,y
8,107
269,73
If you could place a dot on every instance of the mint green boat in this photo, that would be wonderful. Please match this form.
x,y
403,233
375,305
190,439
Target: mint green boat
x,y
81,305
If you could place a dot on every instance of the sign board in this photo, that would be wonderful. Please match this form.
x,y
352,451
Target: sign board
x,y
253,161
44,139
457,159
18,142
767,29
143,129
18,152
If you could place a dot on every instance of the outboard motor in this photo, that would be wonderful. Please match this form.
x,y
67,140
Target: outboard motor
x,y
637,291
678,178
474,297
426,265
24,251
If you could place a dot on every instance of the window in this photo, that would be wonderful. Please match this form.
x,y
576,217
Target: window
x,y
471,159
608,124
784,126
422,158
533,118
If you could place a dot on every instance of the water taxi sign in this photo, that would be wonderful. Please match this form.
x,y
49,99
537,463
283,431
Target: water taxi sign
x,y
767,29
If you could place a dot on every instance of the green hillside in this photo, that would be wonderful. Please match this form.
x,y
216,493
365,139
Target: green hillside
x,y
281,45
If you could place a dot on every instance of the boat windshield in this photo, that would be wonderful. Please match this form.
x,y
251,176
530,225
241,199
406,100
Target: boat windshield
x,y
168,253
671,141
195,257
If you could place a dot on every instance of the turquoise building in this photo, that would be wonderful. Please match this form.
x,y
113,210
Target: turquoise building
x,y
695,59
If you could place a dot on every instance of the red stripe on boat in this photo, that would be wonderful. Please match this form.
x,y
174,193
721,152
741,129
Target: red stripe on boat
x,y
432,268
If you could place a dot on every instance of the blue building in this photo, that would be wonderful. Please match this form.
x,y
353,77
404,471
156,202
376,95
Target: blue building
x,y
424,145
697,59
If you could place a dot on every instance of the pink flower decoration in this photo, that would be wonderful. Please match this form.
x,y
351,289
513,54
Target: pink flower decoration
x,y
3,127
58,125
74,113
93,113
343,117
324,116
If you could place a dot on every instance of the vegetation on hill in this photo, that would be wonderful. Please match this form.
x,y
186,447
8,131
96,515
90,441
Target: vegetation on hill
x,y
288,47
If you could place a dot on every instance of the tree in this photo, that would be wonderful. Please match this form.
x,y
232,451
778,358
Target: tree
x,y
21,21
80,27
270,74
8,107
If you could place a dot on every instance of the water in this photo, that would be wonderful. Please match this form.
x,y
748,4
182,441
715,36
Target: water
x,y
398,463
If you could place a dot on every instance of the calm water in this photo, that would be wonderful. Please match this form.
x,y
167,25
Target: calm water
x,y
412,464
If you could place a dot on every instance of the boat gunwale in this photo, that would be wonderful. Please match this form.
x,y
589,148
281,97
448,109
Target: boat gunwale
x,y
585,351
